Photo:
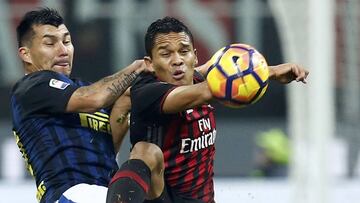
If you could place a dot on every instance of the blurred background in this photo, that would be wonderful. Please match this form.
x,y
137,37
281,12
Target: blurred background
x,y
299,143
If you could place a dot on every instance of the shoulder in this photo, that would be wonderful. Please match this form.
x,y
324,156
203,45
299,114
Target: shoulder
x,y
149,82
40,78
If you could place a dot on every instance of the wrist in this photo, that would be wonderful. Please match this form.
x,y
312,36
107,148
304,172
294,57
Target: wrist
x,y
272,73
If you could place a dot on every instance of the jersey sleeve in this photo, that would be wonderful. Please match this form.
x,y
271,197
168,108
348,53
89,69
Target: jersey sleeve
x,y
147,98
45,92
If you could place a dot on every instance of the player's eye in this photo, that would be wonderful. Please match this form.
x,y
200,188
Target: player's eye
x,y
184,51
67,42
49,43
165,54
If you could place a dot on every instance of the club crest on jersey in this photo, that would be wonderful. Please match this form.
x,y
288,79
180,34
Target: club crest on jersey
x,y
58,84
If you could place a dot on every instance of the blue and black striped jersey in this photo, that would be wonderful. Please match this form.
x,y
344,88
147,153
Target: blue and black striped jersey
x,y
60,149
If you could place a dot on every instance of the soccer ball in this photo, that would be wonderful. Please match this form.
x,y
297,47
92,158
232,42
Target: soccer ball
x,y
237,75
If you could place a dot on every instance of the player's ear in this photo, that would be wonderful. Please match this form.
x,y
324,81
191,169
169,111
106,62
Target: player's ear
x,y
148,63
24,54
147,60
196,61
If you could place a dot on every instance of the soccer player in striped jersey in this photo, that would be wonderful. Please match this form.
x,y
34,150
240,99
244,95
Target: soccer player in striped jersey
x,y
172,124
62,125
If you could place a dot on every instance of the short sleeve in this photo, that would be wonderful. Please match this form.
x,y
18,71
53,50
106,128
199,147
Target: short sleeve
x,y
44,92
147,97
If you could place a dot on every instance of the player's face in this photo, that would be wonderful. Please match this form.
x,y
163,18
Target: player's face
x,y
50,49
174,58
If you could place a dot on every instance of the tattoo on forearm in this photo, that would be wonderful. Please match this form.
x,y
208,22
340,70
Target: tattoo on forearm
x,y
121,118
121,83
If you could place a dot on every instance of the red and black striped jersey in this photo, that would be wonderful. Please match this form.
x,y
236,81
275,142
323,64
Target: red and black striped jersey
x,y
187,138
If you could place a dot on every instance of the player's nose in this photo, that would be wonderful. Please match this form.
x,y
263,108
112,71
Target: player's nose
x,y
62,49
177,60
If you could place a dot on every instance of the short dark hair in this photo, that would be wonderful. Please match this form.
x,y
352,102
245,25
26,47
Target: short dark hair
x,y
43,16
164,26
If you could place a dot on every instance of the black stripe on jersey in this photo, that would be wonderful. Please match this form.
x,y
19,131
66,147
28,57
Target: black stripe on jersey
x,y
160,136
148,134
81,157
152,134
198,159
184,167
64,161
95,138
201,112
200,192
155,135
174,152
196,175
205,153
32,128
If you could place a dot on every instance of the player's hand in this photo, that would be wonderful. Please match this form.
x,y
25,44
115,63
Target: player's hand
x,y
140,66
288,72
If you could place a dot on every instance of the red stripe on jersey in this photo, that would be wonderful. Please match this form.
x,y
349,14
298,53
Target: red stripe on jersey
x,y
170,140
131,175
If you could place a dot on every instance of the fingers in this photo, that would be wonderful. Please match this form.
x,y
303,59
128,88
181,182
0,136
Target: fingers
x,y
301,74
285,73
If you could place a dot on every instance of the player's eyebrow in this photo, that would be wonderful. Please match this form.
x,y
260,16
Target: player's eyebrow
x,y
48,36
185,45
162,47
54,36
66,34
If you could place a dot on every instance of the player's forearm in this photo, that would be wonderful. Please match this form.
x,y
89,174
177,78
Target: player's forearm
x,y
119,120
202,69
272,73
186,97
111,87
104,92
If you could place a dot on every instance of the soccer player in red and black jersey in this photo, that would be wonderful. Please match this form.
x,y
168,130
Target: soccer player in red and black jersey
x,y
172,125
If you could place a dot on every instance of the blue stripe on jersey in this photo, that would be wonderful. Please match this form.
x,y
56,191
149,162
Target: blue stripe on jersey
x,y
63,199
16,111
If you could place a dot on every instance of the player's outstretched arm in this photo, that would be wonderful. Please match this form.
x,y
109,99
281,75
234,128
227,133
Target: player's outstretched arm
x,y
203,69
119,118
104,92
287,72
186,97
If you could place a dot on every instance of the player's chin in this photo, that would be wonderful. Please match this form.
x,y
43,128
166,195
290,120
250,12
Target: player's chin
x,y
65,70
179,82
